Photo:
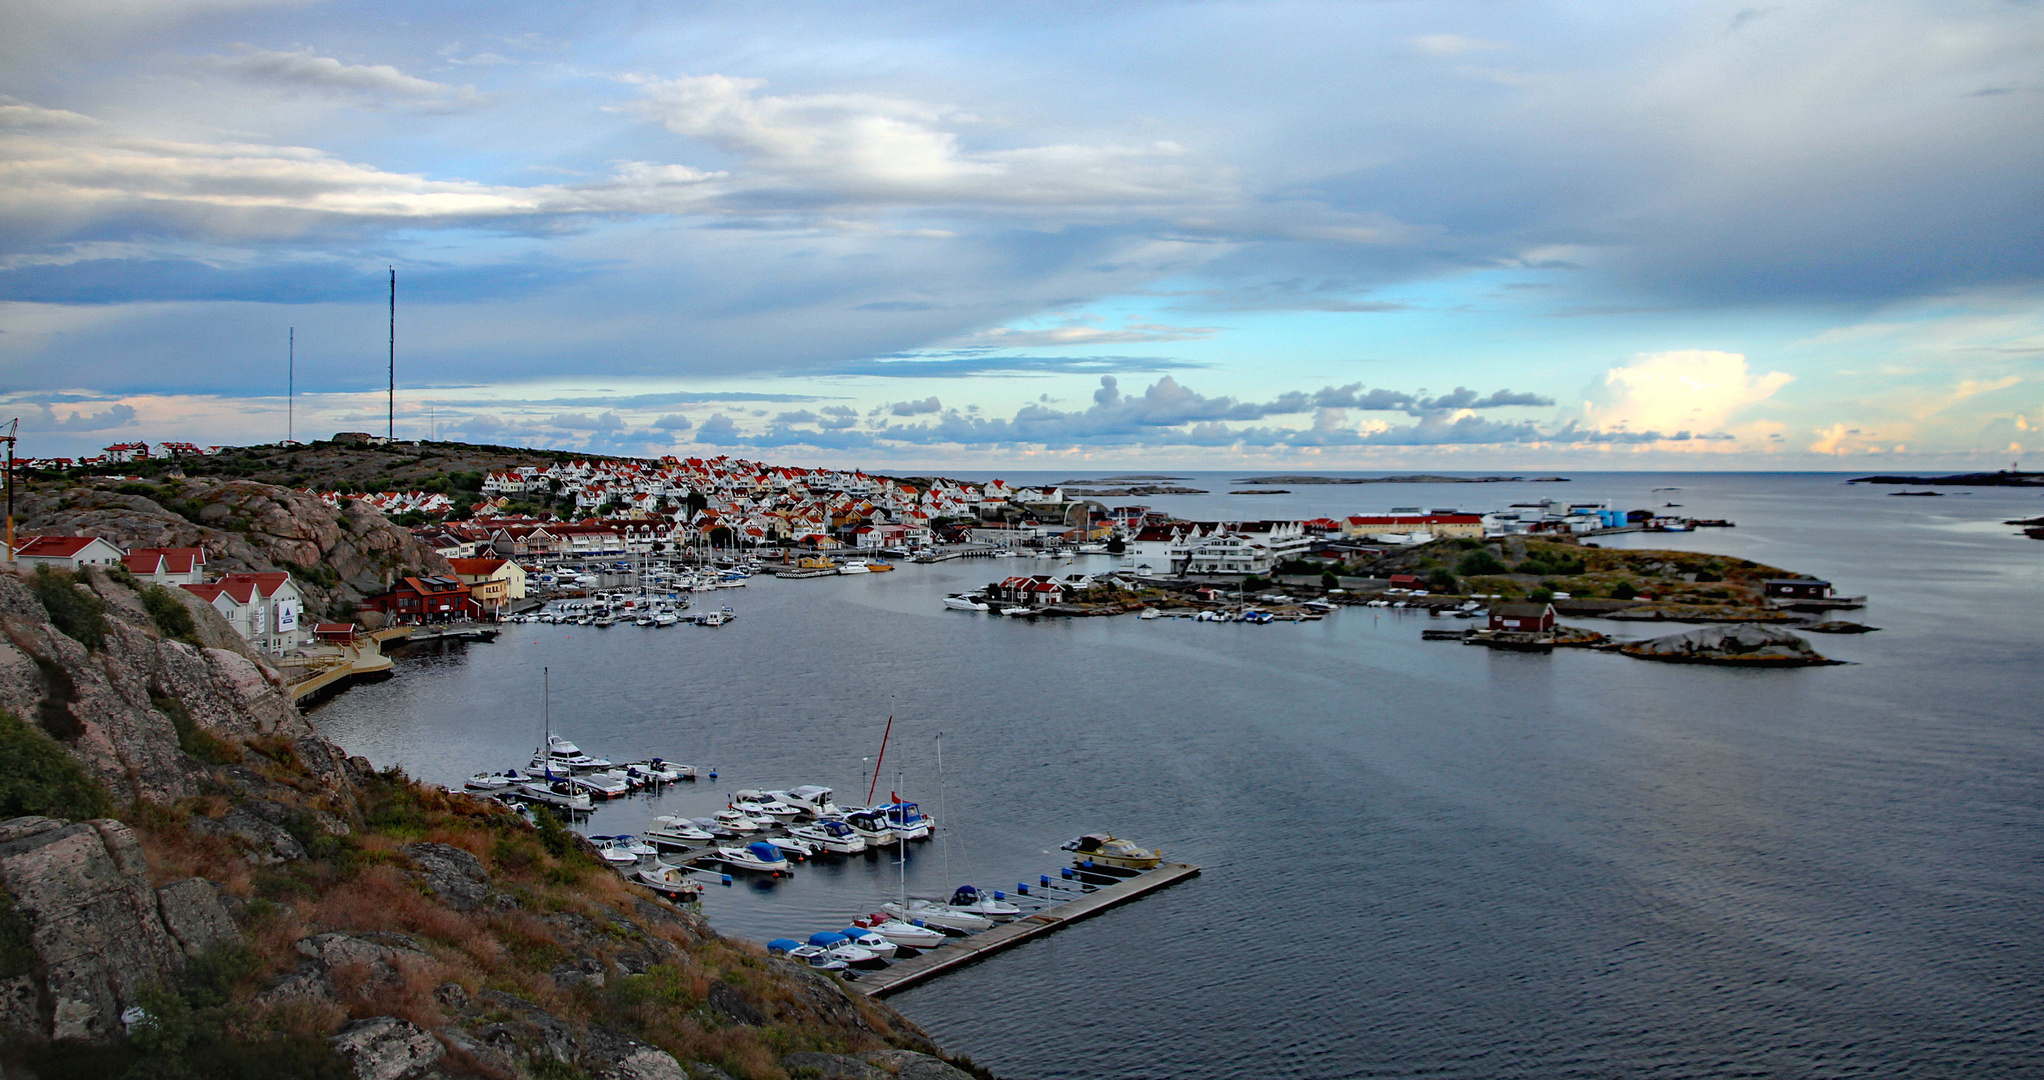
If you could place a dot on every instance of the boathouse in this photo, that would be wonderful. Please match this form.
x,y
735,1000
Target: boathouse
x,y
1522,618
426,599
1796,588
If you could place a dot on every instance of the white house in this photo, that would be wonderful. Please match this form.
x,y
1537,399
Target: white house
x,y
65,552
168,566
265,609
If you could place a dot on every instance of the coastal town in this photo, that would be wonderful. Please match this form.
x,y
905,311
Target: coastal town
x,y
556,537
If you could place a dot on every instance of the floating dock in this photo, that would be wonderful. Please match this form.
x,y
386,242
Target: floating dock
x,y
970,950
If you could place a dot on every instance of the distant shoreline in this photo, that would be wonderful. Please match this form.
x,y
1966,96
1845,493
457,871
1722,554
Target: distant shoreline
x,y
1417,478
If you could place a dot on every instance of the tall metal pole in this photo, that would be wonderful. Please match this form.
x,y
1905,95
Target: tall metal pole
x,y
390,417
291,389
13,426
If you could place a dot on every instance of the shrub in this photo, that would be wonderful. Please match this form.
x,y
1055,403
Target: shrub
x,y
79,614
1540,596
1623,591
173,620
1441,581
1328,580
1478,563
1709,575
191,738
42,779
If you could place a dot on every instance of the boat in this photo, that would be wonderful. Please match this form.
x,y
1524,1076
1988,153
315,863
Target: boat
x,y
601,785
559,753
906,821
672,882
666,618
878,567
870,826
758,855
710,618
1092,549
931,913
762,804
1105,849
842,948
811,799
855,566
969,898
1015,611
657,771
815,956
870,941
603,620
830,835
1150,613
792,847
714,827
634,845
554,793
903,934
612,851
737,821
490,782
676,832
963,603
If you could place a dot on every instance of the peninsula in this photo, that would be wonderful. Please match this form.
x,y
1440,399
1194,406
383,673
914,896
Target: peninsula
x,y
1415,478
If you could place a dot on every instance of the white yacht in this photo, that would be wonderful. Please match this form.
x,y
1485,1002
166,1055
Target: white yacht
x,y
869,941
901,933
563,755
554,793
492,782
761,804
931,913
811,799
758,855
855,566
830,835
672,882
907,822
870,826
970,898
613,852
793,847
963,603
736,821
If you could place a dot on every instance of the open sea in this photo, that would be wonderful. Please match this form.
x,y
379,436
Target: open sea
x,y
1420,859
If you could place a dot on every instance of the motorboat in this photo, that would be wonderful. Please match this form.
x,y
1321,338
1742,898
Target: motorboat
x,y
1104,848
843,948
815,956
737,821
931,913
668,831
758,855
870,826
601,785
714,827
870,941
612,851
903,934
559,753
634,845
830,835
811,799
970,898
964,603
666,618
905,821
792,847
1150,613
493,782
1014,611
710,618
554,793
655,771
761,804
672,882
855,566
632,780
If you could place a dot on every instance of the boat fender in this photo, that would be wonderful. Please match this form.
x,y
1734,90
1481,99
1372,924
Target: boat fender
x,y
1022,888
1089,864
1066,872
999,895
726,877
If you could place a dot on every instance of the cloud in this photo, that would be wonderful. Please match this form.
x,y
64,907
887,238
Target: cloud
x,y
306,70
117,416
673,422
719,430
916,408
1450,45
1079,334
608,421
964,363
838,417
1693,390
877,149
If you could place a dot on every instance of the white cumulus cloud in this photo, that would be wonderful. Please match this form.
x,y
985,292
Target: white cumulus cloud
x,y
1699,391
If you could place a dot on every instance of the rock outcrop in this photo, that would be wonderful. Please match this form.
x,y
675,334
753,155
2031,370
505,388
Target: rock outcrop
x,y
1743,645
353,551
107,705
100,933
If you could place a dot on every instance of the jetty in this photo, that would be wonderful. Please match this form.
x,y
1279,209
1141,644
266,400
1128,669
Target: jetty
x,y
956,954
331,666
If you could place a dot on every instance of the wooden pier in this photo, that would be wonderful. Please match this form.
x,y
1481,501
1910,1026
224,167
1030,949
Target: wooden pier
x,y
970,950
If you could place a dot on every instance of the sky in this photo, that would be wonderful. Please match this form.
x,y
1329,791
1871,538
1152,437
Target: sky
x,y
1369,234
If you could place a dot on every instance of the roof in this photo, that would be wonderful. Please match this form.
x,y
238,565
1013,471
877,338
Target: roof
x,y
175,560
1522,611
1805,581
477,566
54,547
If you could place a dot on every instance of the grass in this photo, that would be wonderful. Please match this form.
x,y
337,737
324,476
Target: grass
x,y
80,615
42,779
173,620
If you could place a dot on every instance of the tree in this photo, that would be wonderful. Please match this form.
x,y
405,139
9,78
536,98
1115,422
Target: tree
x,y
1441,581
1479,563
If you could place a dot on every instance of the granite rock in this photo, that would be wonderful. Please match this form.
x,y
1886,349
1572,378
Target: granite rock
x,y
387,1048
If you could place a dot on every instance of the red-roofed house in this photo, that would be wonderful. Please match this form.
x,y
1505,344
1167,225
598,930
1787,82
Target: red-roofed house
x,y
168,566
265,609
65,552
416,600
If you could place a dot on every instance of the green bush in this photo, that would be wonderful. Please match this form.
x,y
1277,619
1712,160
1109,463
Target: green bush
x,y
1540,596
42,779
1479,563
79,614
173,620
1330,581
1441,581
1623,591
191,738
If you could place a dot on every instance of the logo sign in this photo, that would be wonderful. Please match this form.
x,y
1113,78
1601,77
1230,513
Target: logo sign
x,y
287,616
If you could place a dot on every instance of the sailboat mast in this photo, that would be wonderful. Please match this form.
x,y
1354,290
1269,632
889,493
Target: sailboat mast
x,y
390,404
546,721
875,785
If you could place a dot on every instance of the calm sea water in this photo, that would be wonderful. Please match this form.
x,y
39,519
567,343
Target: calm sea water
x,y
1420,859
